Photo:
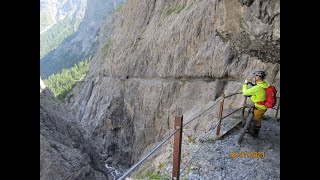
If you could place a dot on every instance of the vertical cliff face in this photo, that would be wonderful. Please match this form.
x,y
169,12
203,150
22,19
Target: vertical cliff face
x,y
84,42
65,150
53,11
164,54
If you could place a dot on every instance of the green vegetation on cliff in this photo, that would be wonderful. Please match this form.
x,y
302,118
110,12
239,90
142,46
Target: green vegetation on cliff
x,y
53,37
61,84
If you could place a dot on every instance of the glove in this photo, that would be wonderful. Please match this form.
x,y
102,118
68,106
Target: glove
x,y
246,81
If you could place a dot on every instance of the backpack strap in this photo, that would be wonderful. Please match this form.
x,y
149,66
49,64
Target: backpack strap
x,y
261,102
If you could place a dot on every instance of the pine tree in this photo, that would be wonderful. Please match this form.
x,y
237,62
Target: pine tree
x,y
62,83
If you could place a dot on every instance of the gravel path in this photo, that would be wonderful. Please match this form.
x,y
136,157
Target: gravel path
x,y
214,161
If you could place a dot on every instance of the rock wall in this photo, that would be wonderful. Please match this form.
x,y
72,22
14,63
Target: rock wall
x,y
163,54
65,150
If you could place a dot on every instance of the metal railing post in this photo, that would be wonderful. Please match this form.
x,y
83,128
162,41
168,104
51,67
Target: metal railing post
x,y
220,114
245,100
177,147
278,107
243,108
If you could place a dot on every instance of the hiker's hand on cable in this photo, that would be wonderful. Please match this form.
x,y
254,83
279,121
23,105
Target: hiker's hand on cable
x,y
246,81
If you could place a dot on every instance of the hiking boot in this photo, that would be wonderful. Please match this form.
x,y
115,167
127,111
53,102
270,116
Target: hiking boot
x,y
254,135
255,131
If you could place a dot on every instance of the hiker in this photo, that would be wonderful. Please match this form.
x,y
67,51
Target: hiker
x,y
258,96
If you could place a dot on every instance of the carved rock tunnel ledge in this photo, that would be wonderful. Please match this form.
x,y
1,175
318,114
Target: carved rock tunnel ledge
x,y
177,79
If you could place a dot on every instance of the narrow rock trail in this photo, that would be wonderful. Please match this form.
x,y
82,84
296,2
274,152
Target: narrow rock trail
x,y
204,157
226,159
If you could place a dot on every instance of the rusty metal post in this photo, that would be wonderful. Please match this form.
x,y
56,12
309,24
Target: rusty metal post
x,y
243,110
245,100
177,147
220,114
278,107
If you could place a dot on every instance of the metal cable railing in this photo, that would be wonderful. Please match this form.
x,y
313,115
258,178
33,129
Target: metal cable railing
x,y
201,113
166,139
233,94
149,154
158,146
